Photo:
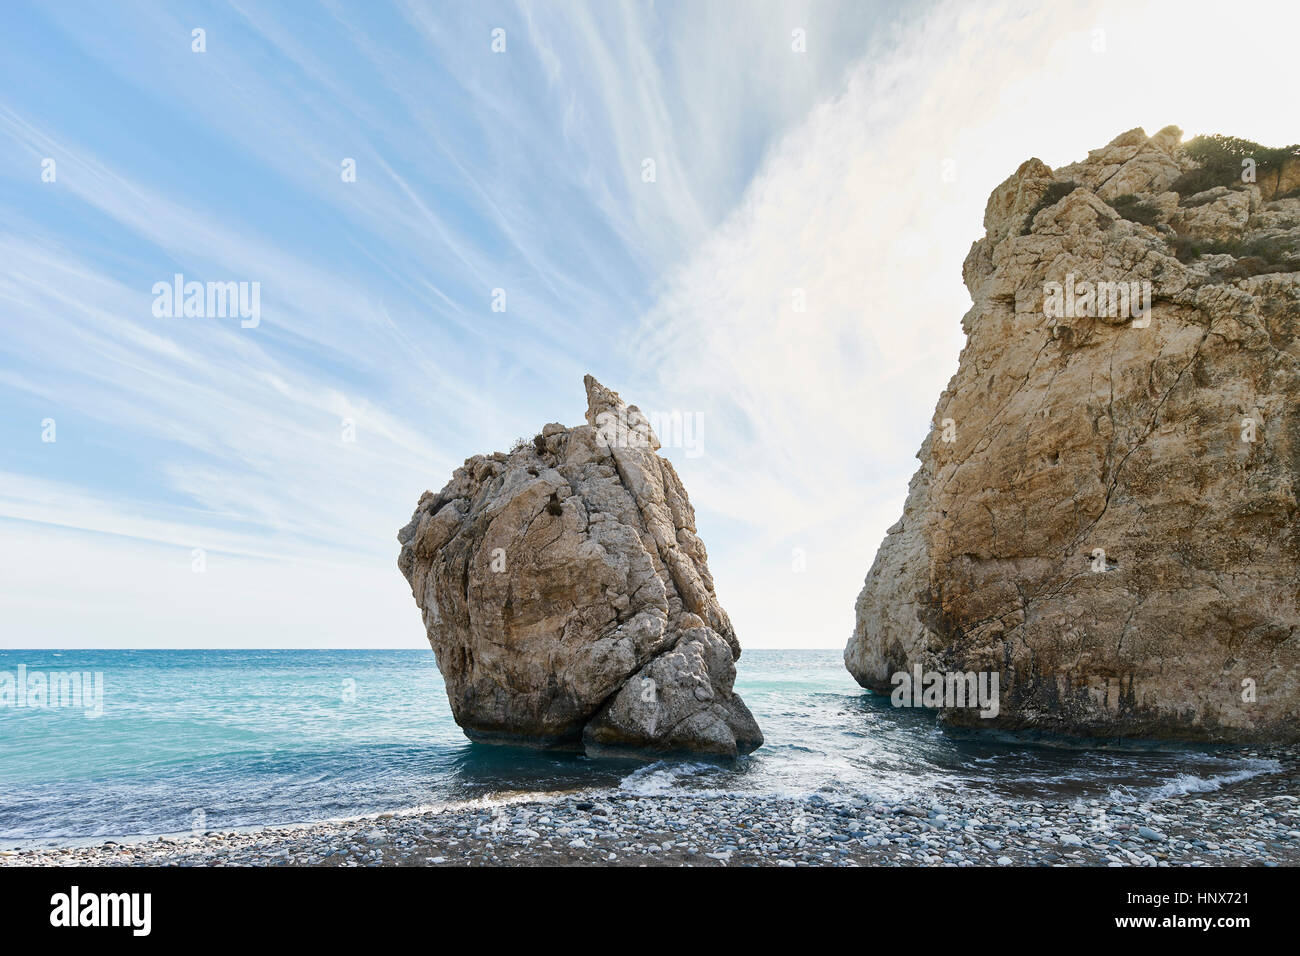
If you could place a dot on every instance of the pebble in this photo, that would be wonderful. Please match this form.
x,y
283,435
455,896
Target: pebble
x,y
610,828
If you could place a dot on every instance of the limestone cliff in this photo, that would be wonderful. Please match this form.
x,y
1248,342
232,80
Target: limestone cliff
x,y
1105,514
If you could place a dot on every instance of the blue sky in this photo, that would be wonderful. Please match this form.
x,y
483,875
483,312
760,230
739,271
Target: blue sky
x,y
851,173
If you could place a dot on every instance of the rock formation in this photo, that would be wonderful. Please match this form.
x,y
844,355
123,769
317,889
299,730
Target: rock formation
x,y
1105,514
568,598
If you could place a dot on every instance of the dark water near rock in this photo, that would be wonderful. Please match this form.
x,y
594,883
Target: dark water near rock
x,y
225,739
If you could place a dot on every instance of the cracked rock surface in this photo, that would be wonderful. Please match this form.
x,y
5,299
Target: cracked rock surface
x,y
1112,526
568,599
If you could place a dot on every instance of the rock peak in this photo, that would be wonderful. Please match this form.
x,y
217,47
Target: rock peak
x,y
600,399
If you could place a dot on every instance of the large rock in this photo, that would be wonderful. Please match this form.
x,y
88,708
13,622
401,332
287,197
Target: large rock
x,y
1105,515
568,598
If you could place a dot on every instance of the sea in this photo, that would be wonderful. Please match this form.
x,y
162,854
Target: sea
x,y
186,740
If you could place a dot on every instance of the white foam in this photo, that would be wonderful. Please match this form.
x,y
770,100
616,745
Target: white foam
x,y
1188,783
657,779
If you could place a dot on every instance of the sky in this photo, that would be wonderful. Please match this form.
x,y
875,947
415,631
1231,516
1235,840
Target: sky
x,y
751,215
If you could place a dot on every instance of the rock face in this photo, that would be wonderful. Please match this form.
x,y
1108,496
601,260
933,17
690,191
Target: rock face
x,y
1105,515
568,598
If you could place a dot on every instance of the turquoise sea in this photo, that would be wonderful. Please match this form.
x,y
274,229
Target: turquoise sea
x,y
234,738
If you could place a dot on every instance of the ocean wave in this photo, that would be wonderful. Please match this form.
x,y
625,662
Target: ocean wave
x,y
1189,783
663,777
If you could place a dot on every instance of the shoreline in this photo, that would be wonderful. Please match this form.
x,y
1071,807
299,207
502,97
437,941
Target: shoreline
x,y
1250,823
53,844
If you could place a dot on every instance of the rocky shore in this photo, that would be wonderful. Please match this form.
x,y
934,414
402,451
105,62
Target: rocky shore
x,y
1254,823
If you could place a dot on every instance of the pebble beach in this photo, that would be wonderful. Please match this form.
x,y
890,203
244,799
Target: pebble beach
x,y
1255,823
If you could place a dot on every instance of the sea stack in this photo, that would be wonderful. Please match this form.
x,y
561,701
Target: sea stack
x,y
1105,515
568,598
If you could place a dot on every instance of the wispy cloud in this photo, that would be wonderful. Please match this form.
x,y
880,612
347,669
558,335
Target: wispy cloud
x,y
778,172
475,172
816,326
